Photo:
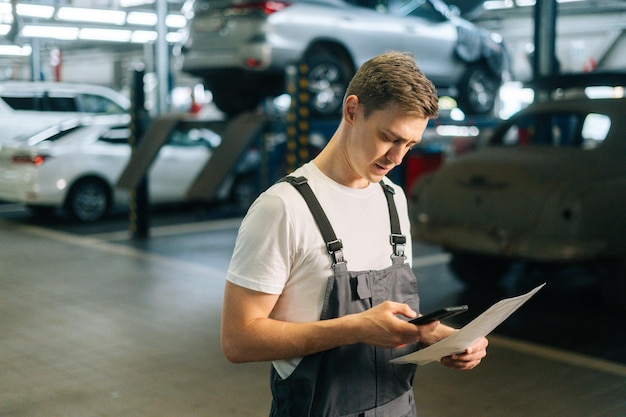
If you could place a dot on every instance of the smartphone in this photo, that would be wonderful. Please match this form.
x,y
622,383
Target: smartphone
x,y
439,314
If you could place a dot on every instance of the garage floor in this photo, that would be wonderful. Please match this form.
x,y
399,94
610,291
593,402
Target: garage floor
x,y
99,325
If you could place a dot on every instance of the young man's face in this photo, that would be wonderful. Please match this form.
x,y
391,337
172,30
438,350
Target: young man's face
x,y
380,142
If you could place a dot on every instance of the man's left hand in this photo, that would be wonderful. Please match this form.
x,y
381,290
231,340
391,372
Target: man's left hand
x,y
469,359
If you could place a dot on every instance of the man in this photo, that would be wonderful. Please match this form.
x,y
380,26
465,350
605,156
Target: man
x,y
290,298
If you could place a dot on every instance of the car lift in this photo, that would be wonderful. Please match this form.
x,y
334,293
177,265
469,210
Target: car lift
x,y
238,134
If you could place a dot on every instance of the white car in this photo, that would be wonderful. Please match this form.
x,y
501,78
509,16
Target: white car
x,y
548,189
74,163
242,48
51,96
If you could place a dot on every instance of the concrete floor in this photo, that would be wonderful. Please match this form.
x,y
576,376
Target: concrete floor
x,y
103,326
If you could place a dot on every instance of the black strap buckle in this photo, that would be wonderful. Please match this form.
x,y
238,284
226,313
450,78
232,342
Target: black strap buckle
x,y
334,248
398,242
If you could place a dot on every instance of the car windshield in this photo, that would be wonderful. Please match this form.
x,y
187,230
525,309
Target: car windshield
x,y
586,131
417,8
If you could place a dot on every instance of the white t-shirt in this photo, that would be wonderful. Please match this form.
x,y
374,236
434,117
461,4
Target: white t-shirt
x,y
280,250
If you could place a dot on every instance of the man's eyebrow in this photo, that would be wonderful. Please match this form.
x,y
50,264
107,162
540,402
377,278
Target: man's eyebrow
x,y
397,136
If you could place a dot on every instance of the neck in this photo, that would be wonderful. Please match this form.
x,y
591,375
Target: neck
x,y
334,162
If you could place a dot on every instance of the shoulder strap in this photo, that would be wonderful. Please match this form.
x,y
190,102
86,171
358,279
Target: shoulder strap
x,y
333,245
397,239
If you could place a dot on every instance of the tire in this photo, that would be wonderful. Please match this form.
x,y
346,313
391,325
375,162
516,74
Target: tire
x,y
478,90
328,80
89,200
478,271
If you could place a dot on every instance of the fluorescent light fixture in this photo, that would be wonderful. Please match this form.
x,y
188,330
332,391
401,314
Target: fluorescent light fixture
x,y
35,10
143,36
177,21
133,3
141,18
105,35
4,29
14,50
525,3
76,14
498,4
56,32
174,37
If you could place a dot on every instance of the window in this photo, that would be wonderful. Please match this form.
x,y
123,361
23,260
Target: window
x,y
418,8
21,102
116,135
187,136
586,131
92,103
60,103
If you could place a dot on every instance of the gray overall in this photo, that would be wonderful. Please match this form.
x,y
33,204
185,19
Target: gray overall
x,y
353,380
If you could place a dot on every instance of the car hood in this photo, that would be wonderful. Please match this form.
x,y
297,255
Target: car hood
x,y
508,187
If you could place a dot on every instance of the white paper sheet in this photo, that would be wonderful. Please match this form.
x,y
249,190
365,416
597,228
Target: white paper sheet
x,y
480,327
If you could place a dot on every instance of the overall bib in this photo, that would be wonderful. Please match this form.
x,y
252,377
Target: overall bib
x,y
353,380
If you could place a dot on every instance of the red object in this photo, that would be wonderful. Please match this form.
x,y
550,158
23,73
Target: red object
x,y
418,164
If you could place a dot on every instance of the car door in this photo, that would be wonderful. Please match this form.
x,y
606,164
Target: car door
x,y
179,162
366,27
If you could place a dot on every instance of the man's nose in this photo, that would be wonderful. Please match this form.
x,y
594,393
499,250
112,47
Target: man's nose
x,y
396,154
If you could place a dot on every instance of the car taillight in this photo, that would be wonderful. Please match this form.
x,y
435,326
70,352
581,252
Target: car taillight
x,y
36,160
267,7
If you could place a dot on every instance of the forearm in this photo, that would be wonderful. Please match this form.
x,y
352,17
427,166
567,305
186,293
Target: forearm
x,y
265,339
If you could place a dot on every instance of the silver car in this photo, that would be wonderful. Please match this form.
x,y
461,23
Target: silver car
x,y
242,48
547,190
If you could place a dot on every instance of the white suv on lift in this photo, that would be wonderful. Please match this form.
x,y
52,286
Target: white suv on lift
x,y
242,48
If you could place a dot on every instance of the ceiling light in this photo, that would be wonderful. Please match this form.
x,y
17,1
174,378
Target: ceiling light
x,y
143,36
75,14
141,18
175,21
56,32
132,3
35,10
15,50
498,4
174,37
105,35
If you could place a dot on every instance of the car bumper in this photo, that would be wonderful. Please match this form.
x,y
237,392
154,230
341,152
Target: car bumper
x,y
19,186
253,57
519,247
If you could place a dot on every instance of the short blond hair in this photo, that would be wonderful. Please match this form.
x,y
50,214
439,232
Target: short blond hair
x,y
394,78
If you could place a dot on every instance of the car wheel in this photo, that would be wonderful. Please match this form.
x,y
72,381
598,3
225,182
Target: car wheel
x,y
478,271
88,200
478,90
612,278
328,80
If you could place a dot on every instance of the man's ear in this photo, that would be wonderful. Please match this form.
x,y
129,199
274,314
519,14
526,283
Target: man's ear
x,y
350,107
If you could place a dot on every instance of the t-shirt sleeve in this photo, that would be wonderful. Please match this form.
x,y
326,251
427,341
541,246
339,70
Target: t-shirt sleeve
x,y
261,258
